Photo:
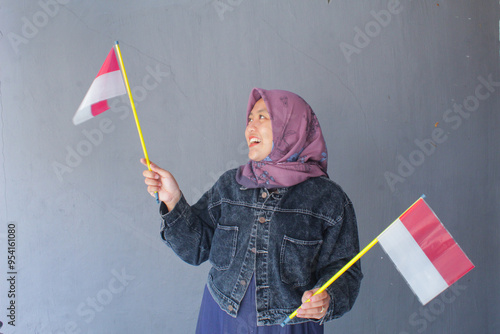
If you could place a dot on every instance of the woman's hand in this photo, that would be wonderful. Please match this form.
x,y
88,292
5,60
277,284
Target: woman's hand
x,y
317,307
163,182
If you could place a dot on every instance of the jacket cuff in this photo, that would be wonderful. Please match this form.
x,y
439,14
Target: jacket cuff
x,y
171,217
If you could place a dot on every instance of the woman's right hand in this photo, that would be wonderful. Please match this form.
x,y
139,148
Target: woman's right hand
x,y
163,182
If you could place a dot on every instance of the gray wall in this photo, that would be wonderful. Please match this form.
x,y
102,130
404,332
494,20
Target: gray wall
x,y
89,258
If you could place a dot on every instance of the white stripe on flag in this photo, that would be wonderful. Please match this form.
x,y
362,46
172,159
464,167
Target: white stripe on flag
x,y
103,87
82,115
423,278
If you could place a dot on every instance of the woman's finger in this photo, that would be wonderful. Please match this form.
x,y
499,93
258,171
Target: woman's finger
x,y
313,313
317,305
150,174
153,189
314,299
152,182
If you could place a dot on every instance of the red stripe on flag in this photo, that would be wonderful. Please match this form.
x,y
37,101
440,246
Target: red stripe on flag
x,y
439,246
110,64
99,107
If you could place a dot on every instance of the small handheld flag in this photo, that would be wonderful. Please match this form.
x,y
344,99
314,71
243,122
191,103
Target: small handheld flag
x,y
106,85
109,83
422,250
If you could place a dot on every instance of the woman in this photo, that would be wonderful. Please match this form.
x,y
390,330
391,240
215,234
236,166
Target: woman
x,y
275,229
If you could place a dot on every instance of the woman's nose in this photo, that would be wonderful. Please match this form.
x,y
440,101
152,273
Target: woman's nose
x,y
250,127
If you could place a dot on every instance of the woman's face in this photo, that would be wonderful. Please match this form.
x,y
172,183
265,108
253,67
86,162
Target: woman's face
x,y
259,132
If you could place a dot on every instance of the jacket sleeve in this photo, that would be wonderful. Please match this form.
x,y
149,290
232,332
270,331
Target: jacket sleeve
x,y
340,245
188,230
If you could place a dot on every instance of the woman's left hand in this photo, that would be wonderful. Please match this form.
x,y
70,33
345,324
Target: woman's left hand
x,y
317,307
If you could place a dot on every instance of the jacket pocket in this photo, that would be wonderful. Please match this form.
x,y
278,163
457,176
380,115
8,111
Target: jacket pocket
x,y
298,259
223,247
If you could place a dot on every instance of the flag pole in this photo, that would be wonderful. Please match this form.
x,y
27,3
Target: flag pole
x,y
346,267
129,92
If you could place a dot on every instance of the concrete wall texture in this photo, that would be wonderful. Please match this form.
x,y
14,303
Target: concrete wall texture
x,y
406,93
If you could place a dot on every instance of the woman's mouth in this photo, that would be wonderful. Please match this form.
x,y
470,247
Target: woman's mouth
x,y
253,141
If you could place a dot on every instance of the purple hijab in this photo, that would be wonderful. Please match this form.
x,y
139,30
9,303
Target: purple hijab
x,y
299,149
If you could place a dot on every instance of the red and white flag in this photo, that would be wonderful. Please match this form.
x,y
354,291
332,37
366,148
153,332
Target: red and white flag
x,y
424,252
107,84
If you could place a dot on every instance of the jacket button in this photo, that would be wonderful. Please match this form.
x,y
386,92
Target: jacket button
x,y
264,194
230,308
243,282
253,250
262,220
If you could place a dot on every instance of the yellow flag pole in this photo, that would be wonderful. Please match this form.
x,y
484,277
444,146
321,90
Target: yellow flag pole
x,y
129,92
334,277
346,267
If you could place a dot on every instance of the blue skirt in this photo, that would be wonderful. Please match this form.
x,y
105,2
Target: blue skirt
x,y
213,320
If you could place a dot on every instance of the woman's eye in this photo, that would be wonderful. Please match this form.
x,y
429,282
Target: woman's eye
x,y
262,117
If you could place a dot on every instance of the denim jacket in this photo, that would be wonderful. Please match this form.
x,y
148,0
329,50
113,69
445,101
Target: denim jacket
x,y
292,239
